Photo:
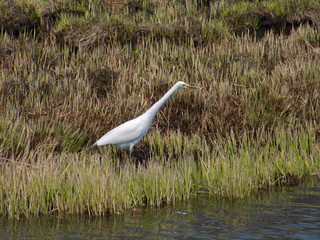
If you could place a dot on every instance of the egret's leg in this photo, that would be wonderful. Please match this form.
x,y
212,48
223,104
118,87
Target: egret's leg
x,y
130,152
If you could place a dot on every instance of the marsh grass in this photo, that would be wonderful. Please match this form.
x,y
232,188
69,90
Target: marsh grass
x,y
67,79
95,184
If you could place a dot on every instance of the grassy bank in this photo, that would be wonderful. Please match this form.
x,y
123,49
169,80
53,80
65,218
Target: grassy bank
x,y
72,71
98,185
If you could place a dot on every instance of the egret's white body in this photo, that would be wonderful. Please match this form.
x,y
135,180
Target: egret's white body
x,y
130,133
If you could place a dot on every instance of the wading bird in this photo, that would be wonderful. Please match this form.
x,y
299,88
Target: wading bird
x,y
130,133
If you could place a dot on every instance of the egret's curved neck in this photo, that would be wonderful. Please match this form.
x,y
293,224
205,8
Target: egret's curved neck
x,y
155,108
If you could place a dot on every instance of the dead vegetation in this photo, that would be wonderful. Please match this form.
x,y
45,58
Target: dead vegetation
x,y
18,18
85,69
260,23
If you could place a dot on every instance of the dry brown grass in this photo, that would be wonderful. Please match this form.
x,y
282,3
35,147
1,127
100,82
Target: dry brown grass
x,y
244,85
69,87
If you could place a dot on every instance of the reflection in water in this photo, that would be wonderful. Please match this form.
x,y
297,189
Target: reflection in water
x,y
291,212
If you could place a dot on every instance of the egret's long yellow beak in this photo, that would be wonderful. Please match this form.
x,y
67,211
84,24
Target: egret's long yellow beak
x,y
187,85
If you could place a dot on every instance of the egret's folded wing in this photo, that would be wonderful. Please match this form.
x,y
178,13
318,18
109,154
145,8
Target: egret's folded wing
x,y
126,132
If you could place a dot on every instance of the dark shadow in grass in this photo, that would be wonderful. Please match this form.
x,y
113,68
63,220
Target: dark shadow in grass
x,y
102,81
18,18
141,155
259,23
289,179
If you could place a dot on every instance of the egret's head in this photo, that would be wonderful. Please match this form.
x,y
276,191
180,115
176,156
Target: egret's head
x,y
181,84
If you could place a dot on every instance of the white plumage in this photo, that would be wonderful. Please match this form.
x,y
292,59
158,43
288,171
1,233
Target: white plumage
x,y
130,133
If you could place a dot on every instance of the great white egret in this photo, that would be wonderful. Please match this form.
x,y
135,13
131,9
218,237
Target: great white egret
x,y
131,132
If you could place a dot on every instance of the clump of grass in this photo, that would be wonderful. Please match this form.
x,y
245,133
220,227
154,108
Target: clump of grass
x,y
89,184
14,137
245,166
277,16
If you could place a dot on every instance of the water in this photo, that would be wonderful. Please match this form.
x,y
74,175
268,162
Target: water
x,y
286,213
